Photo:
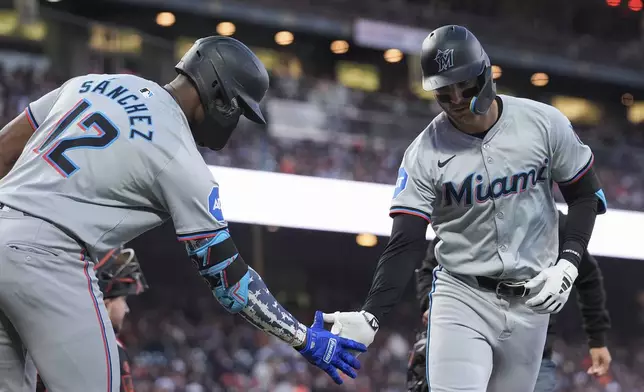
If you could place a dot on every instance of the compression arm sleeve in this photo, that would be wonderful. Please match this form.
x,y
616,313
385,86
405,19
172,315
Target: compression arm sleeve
x,y
585,200
424,276
240,289
405,250
592,301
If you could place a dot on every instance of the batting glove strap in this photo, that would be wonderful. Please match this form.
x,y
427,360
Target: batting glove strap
x,y
371,320
569,274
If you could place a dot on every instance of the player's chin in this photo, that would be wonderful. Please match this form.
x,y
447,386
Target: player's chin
x,y
462,116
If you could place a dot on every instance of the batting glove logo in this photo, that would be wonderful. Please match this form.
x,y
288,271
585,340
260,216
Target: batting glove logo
x,y
330,350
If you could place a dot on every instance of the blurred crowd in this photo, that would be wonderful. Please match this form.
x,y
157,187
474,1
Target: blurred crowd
x,y
576,29
19,86
625,375
365,136
203,349
181,340
190,345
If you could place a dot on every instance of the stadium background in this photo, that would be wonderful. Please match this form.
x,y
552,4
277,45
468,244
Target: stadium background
x,y
345,101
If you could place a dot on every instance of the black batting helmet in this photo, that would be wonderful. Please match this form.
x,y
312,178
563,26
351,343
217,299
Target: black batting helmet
x,y
230,80
452,54
119,274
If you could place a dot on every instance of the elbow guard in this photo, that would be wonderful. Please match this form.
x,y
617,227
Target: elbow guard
x,y
223,269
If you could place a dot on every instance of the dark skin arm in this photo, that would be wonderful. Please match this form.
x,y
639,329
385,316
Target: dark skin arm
x,y
13,139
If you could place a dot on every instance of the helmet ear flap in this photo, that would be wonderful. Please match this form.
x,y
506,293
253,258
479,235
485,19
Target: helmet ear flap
x,y
481,103
213,66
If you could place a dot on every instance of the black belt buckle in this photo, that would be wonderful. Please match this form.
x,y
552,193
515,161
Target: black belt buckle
x,y
514,289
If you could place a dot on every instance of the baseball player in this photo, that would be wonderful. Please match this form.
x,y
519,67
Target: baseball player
x,y
119,275
95,163
592,300
482,174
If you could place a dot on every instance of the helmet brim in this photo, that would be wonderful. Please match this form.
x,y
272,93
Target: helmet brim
x,y
452,76
251,109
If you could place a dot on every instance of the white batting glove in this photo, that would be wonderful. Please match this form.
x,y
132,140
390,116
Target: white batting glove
x,y
359,326
556,282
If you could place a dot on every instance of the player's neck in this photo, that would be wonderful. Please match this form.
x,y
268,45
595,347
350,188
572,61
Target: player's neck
x,y
484,122
185,96
178,97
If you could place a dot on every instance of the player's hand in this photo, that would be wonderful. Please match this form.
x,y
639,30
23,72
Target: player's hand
x,y
330,352
426,317
601,361
359,326
556,284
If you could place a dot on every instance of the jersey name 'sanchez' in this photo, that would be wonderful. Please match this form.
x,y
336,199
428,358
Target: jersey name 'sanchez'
x,y
129,102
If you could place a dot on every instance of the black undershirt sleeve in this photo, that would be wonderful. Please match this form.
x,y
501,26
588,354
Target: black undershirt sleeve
x,y
585,201
591,295
425,278
405,250
592,301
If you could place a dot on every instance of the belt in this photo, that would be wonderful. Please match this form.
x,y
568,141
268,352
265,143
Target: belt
x,y
503,288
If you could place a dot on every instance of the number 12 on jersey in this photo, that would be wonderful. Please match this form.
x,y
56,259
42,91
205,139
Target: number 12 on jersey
x,y
53,149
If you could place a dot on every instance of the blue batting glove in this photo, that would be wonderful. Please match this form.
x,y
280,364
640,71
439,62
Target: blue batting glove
x,y
330,352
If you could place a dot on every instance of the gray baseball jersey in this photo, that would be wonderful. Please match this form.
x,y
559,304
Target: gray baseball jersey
x,y
491,200
112,156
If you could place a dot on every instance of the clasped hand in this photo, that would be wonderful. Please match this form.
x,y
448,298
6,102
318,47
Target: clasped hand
x,y
331,352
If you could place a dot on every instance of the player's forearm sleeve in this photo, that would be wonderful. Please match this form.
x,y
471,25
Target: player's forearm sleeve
x,y
425,277
581,220
403,253
592,301
585,200
264,312
240,289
